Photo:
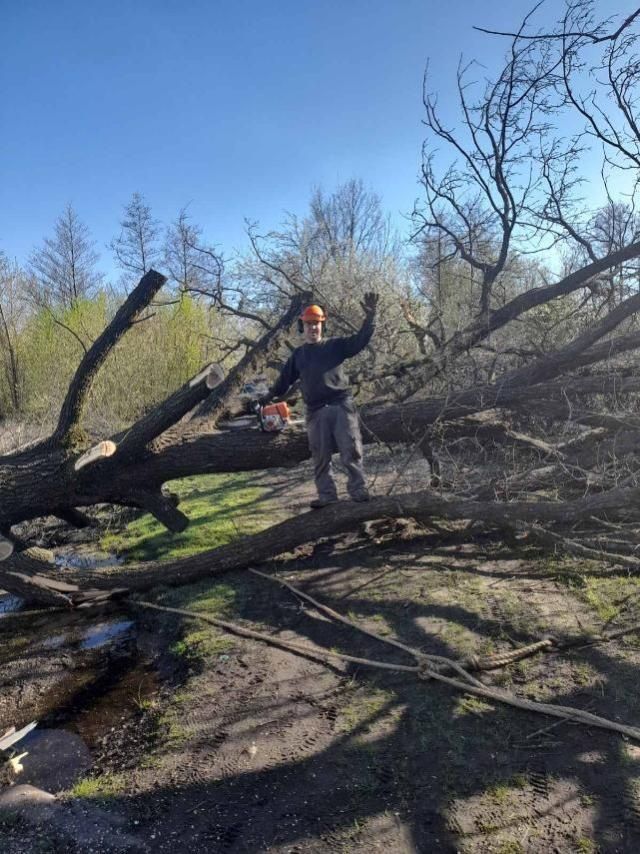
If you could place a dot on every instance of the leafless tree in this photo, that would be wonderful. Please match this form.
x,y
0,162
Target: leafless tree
x,y
64,267
13,310
342,247
136,249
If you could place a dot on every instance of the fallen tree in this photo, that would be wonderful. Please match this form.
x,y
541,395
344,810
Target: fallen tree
x,y
61,474
540,433
622,505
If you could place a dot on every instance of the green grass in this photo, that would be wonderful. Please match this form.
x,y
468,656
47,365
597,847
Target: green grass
x,y
213,598
468,705
598,597
607,596
503,791
509,846
105,786
220,508
202,643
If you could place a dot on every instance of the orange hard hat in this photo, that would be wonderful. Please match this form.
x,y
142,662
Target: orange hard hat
x,y
313,314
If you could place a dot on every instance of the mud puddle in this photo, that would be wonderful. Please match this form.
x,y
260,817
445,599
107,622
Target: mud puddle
x,y
97,635
88,680
111,704
91,727
88,684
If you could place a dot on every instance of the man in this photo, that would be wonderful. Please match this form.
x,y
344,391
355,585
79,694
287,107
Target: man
x,y
332,420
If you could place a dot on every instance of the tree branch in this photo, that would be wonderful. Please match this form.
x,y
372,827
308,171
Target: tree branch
x,y
76,398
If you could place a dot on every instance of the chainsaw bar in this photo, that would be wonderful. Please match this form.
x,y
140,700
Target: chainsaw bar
x,y
248,422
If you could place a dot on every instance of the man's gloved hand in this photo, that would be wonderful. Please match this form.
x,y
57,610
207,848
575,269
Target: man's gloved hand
x,y
370,303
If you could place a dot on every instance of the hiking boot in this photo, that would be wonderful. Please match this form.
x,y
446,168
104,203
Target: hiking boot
x,y
318,503
361,496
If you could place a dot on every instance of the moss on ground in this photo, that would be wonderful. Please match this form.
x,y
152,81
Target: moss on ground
x,y
365,709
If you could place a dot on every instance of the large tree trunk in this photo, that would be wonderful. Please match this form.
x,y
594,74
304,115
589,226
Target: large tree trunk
x,y
424,506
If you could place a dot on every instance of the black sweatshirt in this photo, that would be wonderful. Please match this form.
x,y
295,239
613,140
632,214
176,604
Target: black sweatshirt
x,y
319,368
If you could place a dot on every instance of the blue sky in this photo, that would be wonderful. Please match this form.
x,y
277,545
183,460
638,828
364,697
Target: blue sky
x,y
236,108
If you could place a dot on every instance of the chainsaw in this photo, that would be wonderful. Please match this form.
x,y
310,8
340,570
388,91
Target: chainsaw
x,y
270,418
274,417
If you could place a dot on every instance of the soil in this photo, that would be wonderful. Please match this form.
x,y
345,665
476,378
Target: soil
x,y
248,748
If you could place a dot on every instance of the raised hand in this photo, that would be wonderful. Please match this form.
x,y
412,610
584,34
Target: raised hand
x,y
370,302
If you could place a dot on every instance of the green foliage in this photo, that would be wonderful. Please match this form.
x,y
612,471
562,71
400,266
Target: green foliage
x,y
52,346
156,356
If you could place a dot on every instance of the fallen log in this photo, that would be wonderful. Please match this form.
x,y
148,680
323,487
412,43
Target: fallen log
x,y
308,527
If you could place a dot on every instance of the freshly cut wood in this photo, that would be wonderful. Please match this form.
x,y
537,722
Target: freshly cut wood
x,y
101,451
215,377
212,374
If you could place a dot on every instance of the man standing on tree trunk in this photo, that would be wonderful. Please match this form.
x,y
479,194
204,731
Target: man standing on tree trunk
x,y
332,419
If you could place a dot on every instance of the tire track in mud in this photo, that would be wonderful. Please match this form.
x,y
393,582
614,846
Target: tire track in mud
x,y
538,776
620,811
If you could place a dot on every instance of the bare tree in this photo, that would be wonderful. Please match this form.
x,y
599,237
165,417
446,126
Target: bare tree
x,y
64,267
136,249
13,310
194,266
342,247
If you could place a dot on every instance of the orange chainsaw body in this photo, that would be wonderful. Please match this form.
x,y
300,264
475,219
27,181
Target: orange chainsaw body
x,y
274,417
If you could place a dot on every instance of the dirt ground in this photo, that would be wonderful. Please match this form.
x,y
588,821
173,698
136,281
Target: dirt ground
x,y
160,737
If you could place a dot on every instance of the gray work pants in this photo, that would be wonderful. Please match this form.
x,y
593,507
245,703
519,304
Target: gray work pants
x,y
335,428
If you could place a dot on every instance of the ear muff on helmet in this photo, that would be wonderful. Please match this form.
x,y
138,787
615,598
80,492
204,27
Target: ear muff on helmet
x,y
301,326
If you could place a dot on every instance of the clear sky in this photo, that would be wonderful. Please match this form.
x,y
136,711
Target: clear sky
x,y
237,108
